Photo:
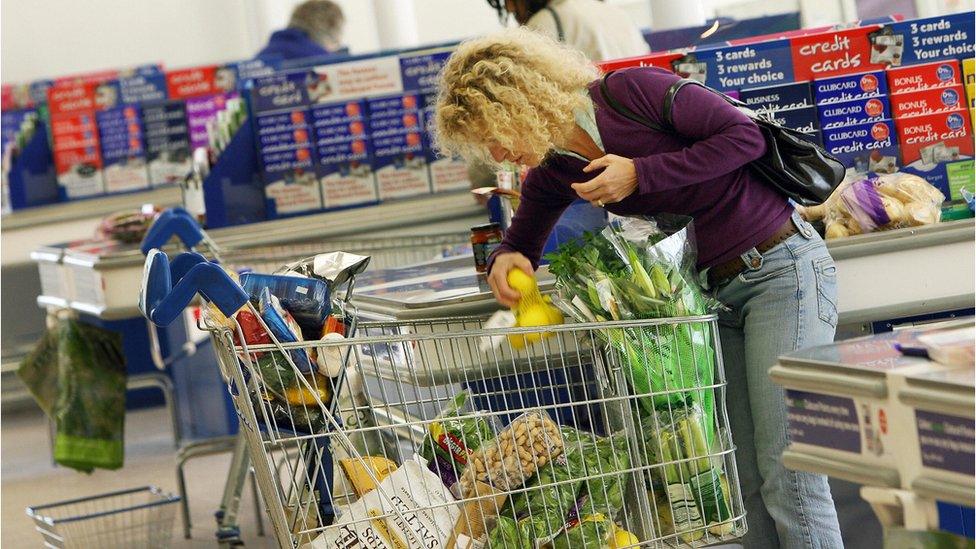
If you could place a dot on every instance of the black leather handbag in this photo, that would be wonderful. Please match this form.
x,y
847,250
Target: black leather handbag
x,y
800,169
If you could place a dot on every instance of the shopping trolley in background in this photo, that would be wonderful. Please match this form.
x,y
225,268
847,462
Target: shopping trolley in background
x,y
529,462
177,224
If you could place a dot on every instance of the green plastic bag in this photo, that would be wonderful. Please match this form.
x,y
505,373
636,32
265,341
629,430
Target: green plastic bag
x,y
77,375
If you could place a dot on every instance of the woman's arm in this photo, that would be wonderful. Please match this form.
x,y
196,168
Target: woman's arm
x,y
724,138
539,209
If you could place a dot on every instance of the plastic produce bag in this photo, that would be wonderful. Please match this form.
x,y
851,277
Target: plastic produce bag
x,y
77,374
453,436
882,202
644,268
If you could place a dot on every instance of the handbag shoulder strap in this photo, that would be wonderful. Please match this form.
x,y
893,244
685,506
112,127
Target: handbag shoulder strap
x,y
620,109
559,23
668,110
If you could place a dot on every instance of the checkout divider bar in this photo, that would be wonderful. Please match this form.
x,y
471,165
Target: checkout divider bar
x,y
849,471
838,382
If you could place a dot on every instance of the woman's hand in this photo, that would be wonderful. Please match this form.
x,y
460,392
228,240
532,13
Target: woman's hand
x,y
498,278
617,182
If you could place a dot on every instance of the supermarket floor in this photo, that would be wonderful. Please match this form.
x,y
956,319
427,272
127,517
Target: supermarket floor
x,y
29,478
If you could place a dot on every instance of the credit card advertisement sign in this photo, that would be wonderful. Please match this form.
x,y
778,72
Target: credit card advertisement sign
x,y
735,67
345,154
923,40
858,111
74,133
850,87
167,141
356,79
864,147
823,420
935,138
419,72
778,98
920,77
930,101
123,150
833,53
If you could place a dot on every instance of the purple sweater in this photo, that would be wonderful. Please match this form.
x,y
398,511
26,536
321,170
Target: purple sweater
x,y
702,173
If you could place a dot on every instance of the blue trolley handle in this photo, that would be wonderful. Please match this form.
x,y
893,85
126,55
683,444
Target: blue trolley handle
x,y
178,222
163,299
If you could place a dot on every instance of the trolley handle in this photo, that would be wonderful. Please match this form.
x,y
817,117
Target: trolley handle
x,y
163,299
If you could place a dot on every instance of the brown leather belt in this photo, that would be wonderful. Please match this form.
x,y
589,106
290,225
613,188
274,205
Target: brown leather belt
x,y
723,272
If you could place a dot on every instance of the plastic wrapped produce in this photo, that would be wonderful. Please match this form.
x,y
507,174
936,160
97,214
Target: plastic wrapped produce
x,y
456,433
882,202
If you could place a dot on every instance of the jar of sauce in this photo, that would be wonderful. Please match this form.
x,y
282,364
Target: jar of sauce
x,y
484,239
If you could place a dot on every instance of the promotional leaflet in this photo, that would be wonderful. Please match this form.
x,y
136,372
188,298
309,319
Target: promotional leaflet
x,y
734,67
934,138
858,111
803,119
284,133
446,174
345,156
399,155
355,79
777,98
870,147
206,91
16,97
660,60
200,111
920,77
167,141
123,149
850,87
833,53
143,88
923,40
928,101
74,134
419,72
10,123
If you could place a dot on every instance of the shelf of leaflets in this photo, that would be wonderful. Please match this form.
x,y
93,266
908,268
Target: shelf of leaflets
x,y
862,411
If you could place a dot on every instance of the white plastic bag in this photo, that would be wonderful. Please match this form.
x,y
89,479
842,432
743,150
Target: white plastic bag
x,y
413,489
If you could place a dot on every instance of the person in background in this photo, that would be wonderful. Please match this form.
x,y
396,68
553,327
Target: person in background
x,y
315,30
521,97
600,31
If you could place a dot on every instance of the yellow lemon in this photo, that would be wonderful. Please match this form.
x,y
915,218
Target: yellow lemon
x,y
622,538
521,282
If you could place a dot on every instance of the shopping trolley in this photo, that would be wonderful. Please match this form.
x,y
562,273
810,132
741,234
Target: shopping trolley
x,y
177,224
442,454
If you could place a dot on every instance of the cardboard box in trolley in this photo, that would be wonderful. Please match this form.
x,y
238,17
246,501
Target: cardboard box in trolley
x,y
399,154
285,143
927,101
74,136
850,87
870,147
919,77
345,157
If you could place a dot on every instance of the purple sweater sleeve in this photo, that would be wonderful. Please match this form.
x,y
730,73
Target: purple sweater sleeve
x,y
539,210
722,138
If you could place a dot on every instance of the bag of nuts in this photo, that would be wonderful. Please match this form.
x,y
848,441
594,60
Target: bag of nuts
x,y
506,462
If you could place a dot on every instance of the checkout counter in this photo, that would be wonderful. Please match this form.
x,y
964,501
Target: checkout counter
x,y
901,426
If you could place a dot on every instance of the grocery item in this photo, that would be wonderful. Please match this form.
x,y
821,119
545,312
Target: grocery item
x,y
330,360
532,309
301,394
592,531
637,269
882,202
283,327
306,299
476,516
453,436
529,442
356,472
418,495
484,240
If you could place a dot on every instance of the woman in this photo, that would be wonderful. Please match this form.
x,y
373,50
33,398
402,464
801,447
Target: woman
x,y
522,98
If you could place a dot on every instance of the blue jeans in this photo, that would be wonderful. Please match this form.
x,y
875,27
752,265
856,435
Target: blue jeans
x,y
789,302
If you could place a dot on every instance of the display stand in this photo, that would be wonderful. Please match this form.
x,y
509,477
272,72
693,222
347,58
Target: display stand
x,y
233,192
32,178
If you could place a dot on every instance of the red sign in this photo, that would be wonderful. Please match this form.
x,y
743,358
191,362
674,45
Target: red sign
x,y
71,98
919,77
87,78
192,82
662,60
832,53
934,138
16,96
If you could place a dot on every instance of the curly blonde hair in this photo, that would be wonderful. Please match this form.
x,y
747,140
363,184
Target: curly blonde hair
x,y
513,87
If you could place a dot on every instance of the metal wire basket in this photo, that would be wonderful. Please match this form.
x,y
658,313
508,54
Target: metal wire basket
x,y
557,442
135,518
